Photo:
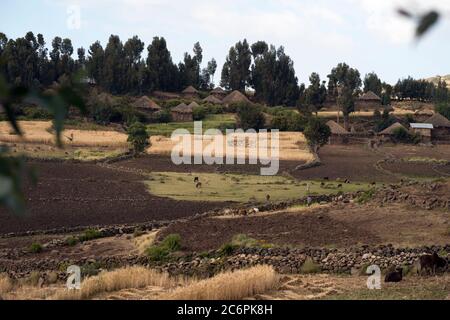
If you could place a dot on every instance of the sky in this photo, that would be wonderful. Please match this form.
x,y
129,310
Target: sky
x,y
316,34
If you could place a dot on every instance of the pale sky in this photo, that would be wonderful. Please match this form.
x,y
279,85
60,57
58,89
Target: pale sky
x,y
317,34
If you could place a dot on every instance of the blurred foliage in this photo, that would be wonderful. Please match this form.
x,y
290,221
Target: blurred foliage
x,y
424,21
56,101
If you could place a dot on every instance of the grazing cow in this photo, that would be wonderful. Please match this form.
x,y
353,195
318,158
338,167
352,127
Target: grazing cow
x,y
340,185
326,178
322,184
395,276
196,179
198,185
430,262
347,181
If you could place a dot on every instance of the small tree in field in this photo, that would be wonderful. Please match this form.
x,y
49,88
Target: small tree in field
x,y
138,137
317,134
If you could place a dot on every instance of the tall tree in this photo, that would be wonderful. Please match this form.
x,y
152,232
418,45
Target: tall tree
x,y
316,93
236,69
95,62
346,83
162,73
373,83
132,52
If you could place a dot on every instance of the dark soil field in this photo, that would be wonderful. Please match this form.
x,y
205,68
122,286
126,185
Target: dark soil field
x,y
73,195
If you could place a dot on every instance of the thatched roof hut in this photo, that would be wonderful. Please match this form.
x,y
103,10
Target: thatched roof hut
x,y
182,112
439,121
193,105
370,96
212,99
182,108
219,92
190,90
146,104
390,130
235,97
336,129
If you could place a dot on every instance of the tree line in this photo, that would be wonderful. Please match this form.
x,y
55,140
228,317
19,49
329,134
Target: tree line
x,y
123,68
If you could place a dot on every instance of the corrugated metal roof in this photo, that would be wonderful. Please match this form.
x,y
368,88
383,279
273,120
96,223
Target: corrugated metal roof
x,y
422,126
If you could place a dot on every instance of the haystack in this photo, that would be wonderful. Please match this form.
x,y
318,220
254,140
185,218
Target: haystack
x,y
235,97
218,92
212,99
190,90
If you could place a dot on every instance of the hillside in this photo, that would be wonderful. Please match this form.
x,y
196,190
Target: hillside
x,y
435,79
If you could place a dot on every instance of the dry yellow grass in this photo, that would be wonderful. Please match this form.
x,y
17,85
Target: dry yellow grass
x,y
131,277
235,285
145,241
292,146
39,132
6,284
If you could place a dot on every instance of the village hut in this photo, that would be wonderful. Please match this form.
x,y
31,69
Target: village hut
x,y
212,99
146,105
389,132
338,134
193,105
424,130
190,92
235,97
441,127
182,113
219,93
369,101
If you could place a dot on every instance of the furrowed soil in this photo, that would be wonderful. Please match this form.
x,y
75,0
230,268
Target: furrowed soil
x,y
73,195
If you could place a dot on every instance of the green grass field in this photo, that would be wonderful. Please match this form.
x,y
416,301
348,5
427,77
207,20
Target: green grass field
x,y
240,188
214,121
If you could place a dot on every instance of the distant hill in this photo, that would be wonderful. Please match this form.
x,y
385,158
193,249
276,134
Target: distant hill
x,y
435,79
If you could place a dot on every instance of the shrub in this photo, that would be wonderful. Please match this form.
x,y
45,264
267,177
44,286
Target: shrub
x,y
198,113
90,234
6,285
138,137
90,269
36,248
163,116
37,113
250,117
227,249
402,135
366,196
160,252
309,266
444,109
72,241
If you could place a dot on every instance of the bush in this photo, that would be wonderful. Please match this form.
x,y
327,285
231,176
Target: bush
x,y
213,109
72,241
138,137
366,196
444,109
34,113
163,116
250,117
90,234
160,252
198,113
227,249
36,248
402,135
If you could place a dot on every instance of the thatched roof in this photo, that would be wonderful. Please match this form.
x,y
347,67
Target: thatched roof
x,y
194,104
165,95
235,97
369,96
212,99
390,130
182,108
336,128
438,120
218,90
190,90
146,103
